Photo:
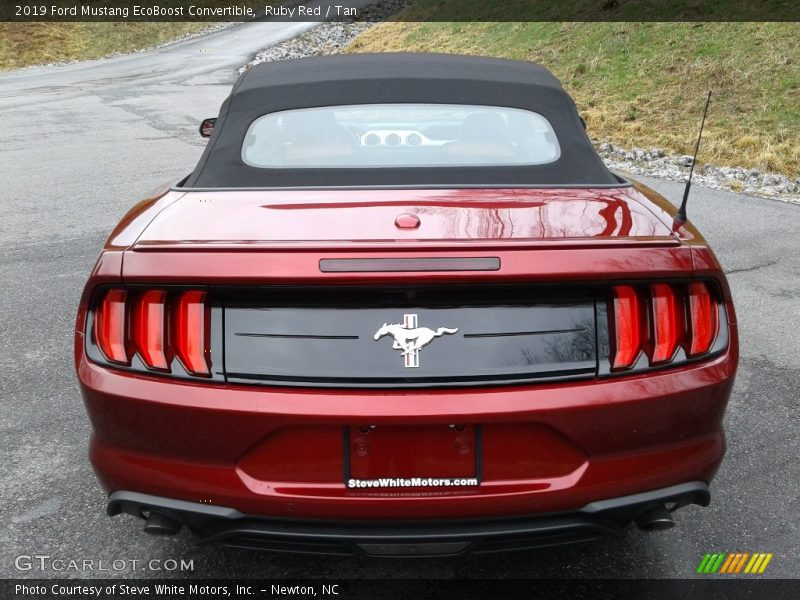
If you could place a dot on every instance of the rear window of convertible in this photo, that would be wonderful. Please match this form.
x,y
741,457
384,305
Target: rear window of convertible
x,y
400,135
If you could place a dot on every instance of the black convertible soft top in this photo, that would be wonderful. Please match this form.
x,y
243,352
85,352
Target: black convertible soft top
x,y
398,78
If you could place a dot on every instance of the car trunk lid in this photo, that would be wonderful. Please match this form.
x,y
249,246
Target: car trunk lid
x,y
408,218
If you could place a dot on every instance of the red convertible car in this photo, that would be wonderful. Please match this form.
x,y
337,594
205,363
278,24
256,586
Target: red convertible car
x,y
402,307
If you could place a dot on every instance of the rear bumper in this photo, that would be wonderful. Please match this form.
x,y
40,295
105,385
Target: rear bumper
x,y
216,524
277,452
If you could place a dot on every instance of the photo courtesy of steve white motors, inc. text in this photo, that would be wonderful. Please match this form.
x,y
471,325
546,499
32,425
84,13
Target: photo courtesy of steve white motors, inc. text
x,y
172,590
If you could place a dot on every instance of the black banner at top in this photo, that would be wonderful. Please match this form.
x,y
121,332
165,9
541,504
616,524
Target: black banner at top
x,y
403,10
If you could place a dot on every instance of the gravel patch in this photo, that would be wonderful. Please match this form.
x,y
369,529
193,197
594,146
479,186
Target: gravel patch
x,y
655,162
331,38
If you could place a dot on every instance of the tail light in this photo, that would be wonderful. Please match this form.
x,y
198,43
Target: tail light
x,y
703,315
668,323
627,325
149,330
156,326
191,332
111,327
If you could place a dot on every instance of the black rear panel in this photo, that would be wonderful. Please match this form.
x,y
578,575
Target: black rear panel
x,y
426,336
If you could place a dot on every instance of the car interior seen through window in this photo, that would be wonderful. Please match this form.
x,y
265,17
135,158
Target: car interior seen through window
x,y
400,135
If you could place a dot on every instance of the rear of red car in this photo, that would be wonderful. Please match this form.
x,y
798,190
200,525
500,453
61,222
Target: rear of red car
x,y
405,371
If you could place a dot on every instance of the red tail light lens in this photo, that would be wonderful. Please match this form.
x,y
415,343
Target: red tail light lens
x,y
683,323
627,327
155,325
110,327
149,329
703,315
191,332
667,322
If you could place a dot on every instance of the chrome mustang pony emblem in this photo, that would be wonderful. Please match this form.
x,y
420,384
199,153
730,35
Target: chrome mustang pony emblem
x,y
410,338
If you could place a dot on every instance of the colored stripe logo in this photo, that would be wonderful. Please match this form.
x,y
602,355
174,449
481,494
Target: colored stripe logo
x,y
411,321
734,563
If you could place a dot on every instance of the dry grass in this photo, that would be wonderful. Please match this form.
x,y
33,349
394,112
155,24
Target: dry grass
x,y
25,44
643,84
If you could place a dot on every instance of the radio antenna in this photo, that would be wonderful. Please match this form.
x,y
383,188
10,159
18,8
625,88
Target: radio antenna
x,y
680,216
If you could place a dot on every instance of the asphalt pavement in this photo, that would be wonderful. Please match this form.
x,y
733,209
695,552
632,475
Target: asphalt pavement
x,y
82,143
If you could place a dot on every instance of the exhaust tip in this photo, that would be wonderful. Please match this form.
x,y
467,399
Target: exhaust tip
x,y
160,524
656,518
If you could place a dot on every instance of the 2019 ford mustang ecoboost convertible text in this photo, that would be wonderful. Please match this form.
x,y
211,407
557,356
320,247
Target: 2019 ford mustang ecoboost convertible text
x,y
401,306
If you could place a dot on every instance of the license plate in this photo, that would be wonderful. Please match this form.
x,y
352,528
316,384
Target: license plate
x,y
422,456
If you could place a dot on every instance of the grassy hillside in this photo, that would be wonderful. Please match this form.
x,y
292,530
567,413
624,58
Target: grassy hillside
x,y
643,84
25,44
